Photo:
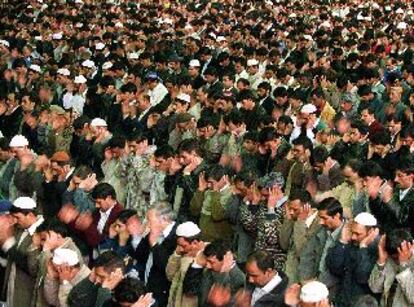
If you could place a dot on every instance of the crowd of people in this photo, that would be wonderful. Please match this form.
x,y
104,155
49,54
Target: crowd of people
x,y
207,153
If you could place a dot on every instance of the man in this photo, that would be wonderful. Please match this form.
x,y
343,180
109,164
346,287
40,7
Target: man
x,y
64,272
329,170
393,205
352,258
21,267
157,91
392,275
209,204
214,267
155,248
368,117
251,111
312,294
266,286
189,244
97,287
312,264
300,224
57,179
108,209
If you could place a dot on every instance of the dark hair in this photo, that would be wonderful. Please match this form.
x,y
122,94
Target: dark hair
x,y
320,154
301,195
370,169
380,138
406,166
164,151
116,142
217,248
103,190
263,259
129,290
304,141
58,227
360,125
354,164
216,172
82,171
366,301
267,134
280,92
189,145
110,261
129,88
394,239
125,214
332,206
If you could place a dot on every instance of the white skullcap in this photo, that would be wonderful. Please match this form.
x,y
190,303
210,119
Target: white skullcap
x,y
98,122
221,39
79,25
184,97
18,141
366,219
387,8
24,203
78,1
313,292
293,15
168,21
212,35
106,65
57,36
400,11
194,63
80,79
402,25
65,256
308,109
308,38
187,230
4,43
133,56
326,24
252,62
119,24
88,64
100,46
35,68
63,71
38,38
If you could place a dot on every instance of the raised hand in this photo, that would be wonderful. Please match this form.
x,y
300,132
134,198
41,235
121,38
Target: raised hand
x,y
382,252
292,295
405,252
275,194
219,295
346,233
305,212
228,262
369,238
113,280
202,183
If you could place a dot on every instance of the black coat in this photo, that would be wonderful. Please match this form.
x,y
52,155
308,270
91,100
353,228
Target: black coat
x,y
157,283
276,297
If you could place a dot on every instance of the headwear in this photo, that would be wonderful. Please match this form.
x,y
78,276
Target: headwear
x,y
194,63
80,79
313,292
5,206
184,97
100,46
187,230
183,118
4,43
107,65
35,68
19,141
400,11
221,39
308,38
133,56
308,109
60,156
270,180
57,109
25,203
366,219
402,25
88,64
252,62
65,256
348,97
57,36
63,71
98,122
151,76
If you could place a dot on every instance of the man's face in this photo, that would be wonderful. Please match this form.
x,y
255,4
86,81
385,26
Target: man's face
x,y
214,264
100,275
184,246
294,208
256,276
369,181
298,152
404,180
349,175
161,164
327,221
358,233
249,145
355,135
394,127
366,117
21,220
186,158
227,82
193,71
104,204
261,92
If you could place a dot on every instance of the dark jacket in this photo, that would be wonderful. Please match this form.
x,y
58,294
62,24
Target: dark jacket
x,y
157,282
276,297
353,265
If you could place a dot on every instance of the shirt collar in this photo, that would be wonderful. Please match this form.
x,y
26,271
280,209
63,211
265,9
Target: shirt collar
x,y
31,230
168,229
310,219
276,280
107,212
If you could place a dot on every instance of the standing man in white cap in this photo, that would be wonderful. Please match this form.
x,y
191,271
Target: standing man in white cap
x,y
15,240
194,73
64,271
189,244
312,294
353,257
